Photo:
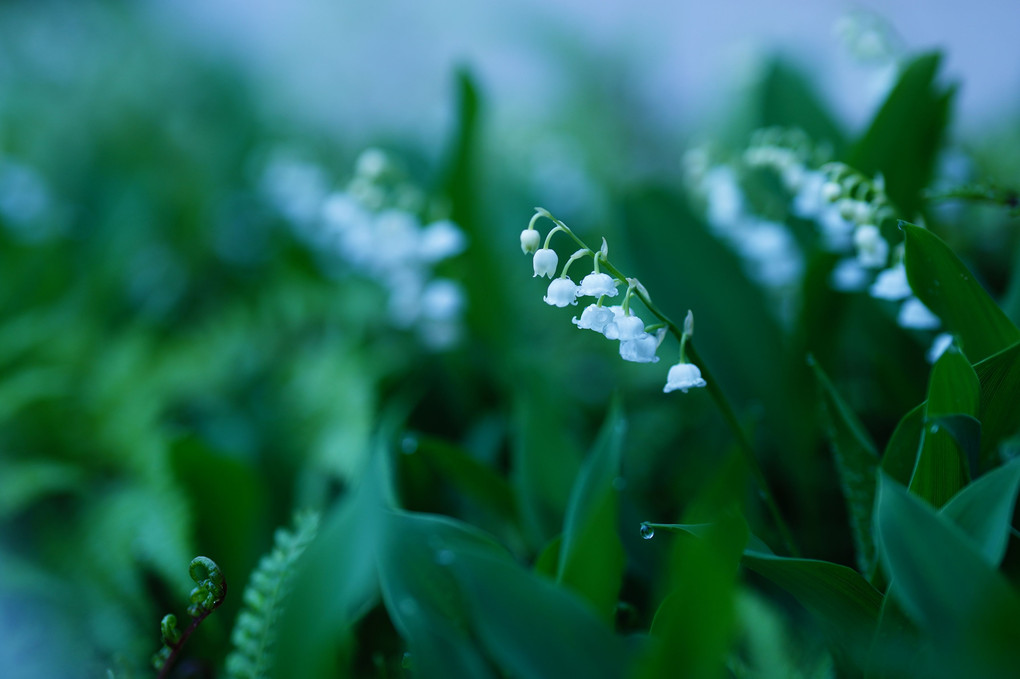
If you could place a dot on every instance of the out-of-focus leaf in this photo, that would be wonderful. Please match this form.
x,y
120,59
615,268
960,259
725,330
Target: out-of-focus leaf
x,y
1000,392
471,477
984,510
946,586
900,455
842,601
947,287
694,626
857,463
942,469
533,628
788,100
548,560
336,582
423,596
906,134
546,462
591,558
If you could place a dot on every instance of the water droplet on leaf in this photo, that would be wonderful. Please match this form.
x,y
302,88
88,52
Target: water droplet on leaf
x,y
647,532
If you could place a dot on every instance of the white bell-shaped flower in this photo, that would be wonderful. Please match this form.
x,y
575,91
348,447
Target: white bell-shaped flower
x,y
546,262
562,291
595,318
596,285
683,376
939,345
914,314
625,328
872,249
530,238
641,349
892,284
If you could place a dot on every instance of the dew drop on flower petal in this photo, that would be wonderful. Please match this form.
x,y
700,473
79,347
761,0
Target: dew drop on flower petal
x,y
647,532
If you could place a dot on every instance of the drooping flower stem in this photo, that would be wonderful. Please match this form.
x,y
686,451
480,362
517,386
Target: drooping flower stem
x,y
718,397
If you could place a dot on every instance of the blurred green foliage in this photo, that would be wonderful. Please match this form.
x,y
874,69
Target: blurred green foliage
x,y
181,369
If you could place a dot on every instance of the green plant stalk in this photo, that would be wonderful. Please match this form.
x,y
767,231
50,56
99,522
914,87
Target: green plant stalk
x,y
721,402
175,649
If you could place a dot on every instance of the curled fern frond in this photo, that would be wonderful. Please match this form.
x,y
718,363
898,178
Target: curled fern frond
x,y
205,598
264,598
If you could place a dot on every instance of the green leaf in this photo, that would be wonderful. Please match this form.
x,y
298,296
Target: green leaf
x,y
946,586
905,136
984,510
471,477
533,628
842,601
423,595
695,625
942,468
900,455
856,462
591,558
1000,392
947,287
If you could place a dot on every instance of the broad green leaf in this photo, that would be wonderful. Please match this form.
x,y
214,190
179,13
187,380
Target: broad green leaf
x,y
694,626
984,510
423,596
946,586
548,560
591,558
471,477
905,136
842,601
856,462
942,468
336,583
1000,393
900,455
787,99
947,287
531,627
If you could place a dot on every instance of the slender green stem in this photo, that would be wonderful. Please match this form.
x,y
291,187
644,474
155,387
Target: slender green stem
x,y
721,402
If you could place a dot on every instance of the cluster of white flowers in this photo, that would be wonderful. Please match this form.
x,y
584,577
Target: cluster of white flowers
x,y
768,250
638,343
849,210
372,226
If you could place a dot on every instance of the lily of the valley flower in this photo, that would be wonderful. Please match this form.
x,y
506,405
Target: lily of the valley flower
x,y
625,327
594,317
596,285
914,314
642,348
683,376
562,291
530,238
872,249
939,345
545,262
892,284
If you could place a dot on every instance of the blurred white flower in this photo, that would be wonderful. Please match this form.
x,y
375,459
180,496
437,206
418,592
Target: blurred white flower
x,y
872,248
683,376
442,300
596,285
914,314
939,345
724,197
562,291
892,284
545,262
440,240
848,276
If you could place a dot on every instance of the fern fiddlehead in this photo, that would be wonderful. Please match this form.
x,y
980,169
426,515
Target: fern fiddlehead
x,y
206,597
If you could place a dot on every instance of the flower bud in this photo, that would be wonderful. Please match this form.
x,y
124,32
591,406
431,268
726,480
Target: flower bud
x,y
530,239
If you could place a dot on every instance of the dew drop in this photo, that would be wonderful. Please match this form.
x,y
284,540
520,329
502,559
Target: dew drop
x,y
934,429
409,445
647,532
